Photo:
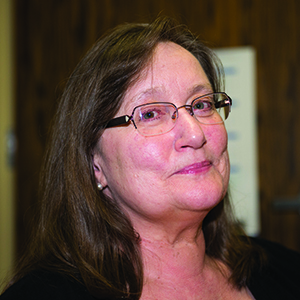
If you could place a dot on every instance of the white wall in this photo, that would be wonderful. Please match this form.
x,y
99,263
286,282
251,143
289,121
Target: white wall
x,y
240,80
6,126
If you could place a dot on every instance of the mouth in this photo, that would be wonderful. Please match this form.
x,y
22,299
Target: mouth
x,y
196,168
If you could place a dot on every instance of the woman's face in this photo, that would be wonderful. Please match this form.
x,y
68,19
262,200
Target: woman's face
x,y
174,175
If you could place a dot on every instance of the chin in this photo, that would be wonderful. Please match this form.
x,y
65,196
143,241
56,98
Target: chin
x,y
202,200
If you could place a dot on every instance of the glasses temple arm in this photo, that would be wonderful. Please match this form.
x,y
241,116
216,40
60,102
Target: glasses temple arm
x,y
118,121
223,103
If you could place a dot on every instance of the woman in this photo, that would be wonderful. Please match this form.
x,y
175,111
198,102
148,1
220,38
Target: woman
x,y
134,201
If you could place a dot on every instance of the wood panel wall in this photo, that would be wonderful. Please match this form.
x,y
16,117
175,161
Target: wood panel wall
x,y
52,35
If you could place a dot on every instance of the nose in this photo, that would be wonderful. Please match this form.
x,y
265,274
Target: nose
x,y
189,132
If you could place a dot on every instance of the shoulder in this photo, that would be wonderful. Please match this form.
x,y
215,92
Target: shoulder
x,y
279,277
46,285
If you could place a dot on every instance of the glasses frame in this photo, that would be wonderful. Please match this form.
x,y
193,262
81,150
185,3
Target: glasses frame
x,y
126,119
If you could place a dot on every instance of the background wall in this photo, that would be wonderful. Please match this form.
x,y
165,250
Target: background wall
x,y
51,36
6,127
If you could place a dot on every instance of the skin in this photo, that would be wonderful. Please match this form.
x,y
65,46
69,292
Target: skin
x,y
168,183
181,173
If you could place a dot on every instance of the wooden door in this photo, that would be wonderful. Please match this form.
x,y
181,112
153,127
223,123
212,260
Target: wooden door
x,y
52,35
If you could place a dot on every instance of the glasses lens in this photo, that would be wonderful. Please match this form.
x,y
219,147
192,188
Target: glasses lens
x,y
211,108
154,118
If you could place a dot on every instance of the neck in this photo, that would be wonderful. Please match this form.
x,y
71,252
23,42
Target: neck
x,y
167,259
176,266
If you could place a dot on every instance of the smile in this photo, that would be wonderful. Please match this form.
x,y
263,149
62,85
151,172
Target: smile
x,y
196,168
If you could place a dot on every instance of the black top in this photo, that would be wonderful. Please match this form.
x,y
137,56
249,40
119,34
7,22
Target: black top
x,y
44,285
278,280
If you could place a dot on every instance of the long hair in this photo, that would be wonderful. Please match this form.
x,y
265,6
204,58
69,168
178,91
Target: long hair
x,y
81,232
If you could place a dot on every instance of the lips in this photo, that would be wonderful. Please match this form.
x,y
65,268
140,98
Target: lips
x,y
195,168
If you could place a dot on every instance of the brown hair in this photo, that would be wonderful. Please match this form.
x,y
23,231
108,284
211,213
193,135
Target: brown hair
x,y
81,232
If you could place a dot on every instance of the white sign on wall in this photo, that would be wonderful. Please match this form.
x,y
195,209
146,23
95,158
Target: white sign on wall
x,y
240,75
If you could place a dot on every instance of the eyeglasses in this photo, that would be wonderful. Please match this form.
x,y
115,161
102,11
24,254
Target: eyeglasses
x,y
160,117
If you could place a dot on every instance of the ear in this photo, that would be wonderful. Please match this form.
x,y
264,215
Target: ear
x,y
98,171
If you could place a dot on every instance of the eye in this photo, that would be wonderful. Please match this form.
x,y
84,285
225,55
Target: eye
x,y
203,105
151,114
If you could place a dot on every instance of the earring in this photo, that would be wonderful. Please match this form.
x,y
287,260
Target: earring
x,y
99,186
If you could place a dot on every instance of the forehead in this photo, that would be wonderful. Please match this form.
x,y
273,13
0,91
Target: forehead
x,y
172,72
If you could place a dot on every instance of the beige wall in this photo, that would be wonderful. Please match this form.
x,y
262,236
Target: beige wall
x,y
6,126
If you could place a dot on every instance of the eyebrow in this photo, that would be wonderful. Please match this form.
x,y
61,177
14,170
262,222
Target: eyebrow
x,y
201,88
206,88
148,92
198,88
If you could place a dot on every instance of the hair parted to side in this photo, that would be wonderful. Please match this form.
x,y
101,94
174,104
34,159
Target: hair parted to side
x,y
81,232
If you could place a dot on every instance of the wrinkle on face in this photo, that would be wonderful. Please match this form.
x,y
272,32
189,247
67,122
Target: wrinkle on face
x,y
140,171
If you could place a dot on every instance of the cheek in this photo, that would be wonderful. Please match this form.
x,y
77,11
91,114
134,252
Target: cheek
x,y
217,139
135,167
132,155
149,154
